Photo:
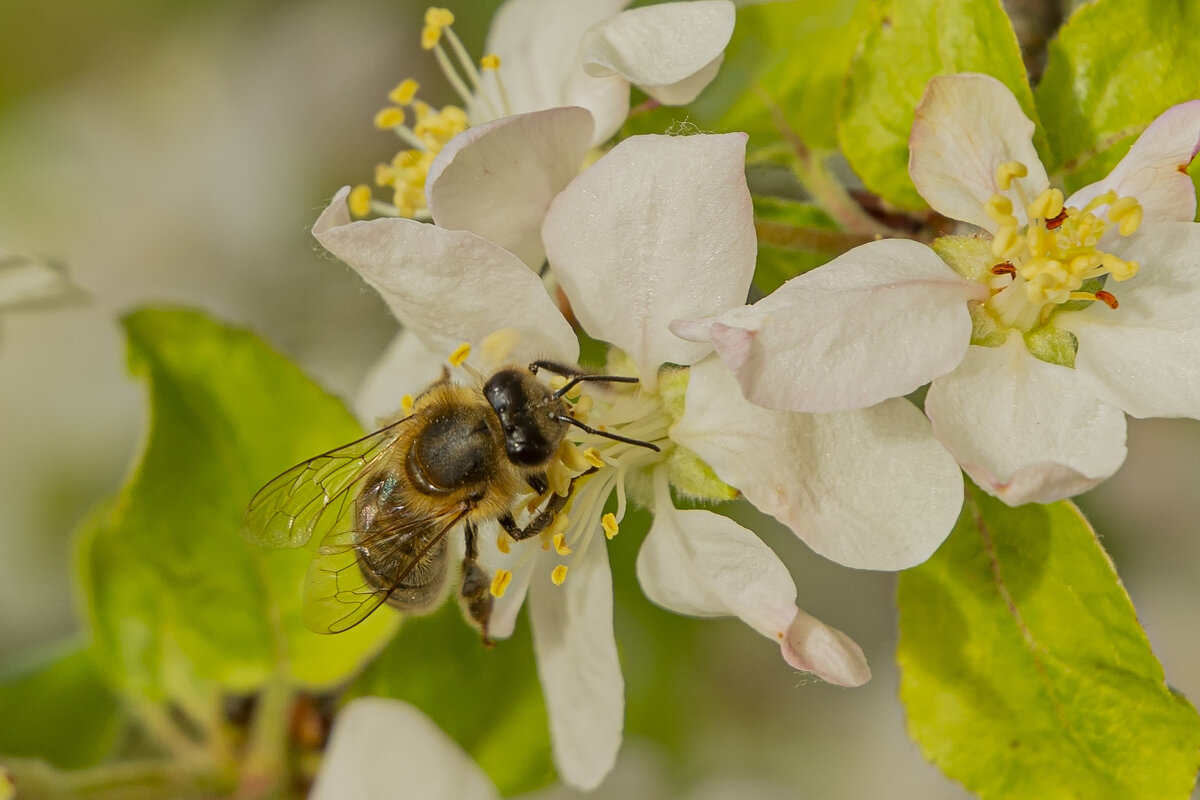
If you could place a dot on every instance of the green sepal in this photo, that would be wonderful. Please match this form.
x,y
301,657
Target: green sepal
x,y
1052,345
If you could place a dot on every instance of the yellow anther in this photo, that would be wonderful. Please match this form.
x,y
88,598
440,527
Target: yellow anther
x,y
1119,269
558,478
1100,200
502,541
388,118
1004,241
1046,205
459,355
999,208
1127,213
438,17
430,36
593,457
406,405
571,456
609,523
404,92
385,175
1008,171
360,200
560,544
490,61
500,582
557,382
559,575
583,407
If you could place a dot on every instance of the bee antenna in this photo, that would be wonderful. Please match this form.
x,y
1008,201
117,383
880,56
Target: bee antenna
x,y
614,436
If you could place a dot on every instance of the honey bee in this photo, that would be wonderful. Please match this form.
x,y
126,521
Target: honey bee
x,y
383,505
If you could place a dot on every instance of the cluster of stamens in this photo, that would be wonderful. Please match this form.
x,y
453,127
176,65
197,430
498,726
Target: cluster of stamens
x,y
424,129
1057,252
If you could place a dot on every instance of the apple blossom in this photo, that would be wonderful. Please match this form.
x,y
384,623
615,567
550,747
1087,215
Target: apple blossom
x,y
544,54
1037,333
658,229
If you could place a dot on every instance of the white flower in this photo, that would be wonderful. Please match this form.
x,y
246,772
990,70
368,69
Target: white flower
x,y
382,749
1030,366
660,228
546,54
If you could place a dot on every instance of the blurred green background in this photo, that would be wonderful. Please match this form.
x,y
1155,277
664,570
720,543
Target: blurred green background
x,y
178,152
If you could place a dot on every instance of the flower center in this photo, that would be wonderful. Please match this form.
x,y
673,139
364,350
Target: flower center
x,y
1056,257
430,128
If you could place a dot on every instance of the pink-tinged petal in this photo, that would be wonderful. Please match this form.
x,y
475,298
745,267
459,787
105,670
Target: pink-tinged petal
x,y
659,229
1024,430
703,564
1145,354
407,366
538,44
965,126
868,488
1155,168
577,662
497,179
380,744
448,287
671,50
876,322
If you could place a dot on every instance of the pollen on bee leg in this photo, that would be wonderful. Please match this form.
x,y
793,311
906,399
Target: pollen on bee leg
x,y
460,354
500,582
560,544
502,541
609,523
559,575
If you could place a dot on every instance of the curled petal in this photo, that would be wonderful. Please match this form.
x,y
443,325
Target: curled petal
x,y
497,179
703,564
1145,354
868,488
965,126
577,662
1155,168
1024,430
671,50
660,228
877,322
448,287
379,744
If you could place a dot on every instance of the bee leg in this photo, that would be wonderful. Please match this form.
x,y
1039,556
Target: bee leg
x,y
544,517
537,481
476,593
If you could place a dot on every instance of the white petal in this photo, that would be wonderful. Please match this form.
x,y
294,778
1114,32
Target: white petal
x,y
379,745
538,44
1024,430
407,366
1145,354
671,50
965,126
703,564
876,322
869,488
577,662
497,179
448,287
27,281
1155,168
660,228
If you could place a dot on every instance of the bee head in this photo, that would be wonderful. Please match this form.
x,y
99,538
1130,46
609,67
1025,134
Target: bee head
x,y
531,416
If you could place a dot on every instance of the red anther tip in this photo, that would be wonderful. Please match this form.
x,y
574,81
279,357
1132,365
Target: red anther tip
x,y
1107,298
1051,224
1004,269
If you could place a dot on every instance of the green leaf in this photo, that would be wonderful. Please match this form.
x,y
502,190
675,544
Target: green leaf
x,y
907,43
794,237
58,708
1114,67
175,595
488,700
1024,670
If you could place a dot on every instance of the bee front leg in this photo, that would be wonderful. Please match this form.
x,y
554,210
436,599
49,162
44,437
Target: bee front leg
x,y
475,597
544,517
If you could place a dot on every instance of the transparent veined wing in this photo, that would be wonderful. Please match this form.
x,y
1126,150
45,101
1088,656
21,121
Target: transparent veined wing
x,y
314,494
403,562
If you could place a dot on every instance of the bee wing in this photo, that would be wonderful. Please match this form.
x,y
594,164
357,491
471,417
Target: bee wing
x,y
337,593
287,511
